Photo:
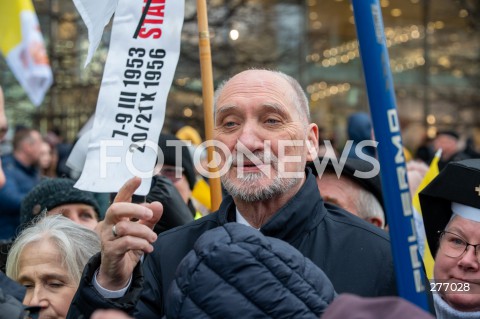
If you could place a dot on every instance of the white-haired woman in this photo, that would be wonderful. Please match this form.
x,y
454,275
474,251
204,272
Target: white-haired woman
x,y
48,259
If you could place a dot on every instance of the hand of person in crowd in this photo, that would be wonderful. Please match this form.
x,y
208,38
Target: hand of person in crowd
x,y
110,314
126,233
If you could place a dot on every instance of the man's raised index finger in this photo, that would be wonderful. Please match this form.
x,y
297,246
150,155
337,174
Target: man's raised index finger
x,y
125,193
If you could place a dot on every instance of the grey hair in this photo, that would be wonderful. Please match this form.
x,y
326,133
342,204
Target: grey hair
x,y
368,206
75,243
299,98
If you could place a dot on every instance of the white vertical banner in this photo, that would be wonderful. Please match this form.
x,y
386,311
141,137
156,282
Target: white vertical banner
x,y
143,54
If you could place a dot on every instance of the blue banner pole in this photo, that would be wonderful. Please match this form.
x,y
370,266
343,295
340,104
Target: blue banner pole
x,y
409,272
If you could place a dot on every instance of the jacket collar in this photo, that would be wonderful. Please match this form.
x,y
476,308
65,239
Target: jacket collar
x,y
302,213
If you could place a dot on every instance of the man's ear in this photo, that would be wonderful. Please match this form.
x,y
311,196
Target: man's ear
x,y
375,221
312,142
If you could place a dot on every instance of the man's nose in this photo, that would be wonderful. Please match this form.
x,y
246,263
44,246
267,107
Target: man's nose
x,y
250,138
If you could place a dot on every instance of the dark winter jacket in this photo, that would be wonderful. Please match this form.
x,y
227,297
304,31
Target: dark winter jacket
x,y
12,287
11,308
19,181
234,270
354,254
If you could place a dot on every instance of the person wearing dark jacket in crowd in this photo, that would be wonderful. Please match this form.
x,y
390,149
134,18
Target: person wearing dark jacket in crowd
x,y
448,142
221,267
22,175
177,167
271,192
472,148
62,149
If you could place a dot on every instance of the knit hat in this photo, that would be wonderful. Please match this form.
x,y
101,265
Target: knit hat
x,y
169,156
53,192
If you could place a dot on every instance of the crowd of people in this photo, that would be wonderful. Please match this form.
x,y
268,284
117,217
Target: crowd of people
x,y
303,241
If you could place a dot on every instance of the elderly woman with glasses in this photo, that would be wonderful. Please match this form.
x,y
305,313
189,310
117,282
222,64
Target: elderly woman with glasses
x,y
451,211
48,258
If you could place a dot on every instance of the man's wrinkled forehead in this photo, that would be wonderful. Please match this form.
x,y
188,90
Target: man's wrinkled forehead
x,y
255,74
258,78
266,107
252,86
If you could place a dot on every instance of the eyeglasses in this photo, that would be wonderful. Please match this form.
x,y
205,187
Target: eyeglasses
x,y
172,173
455,246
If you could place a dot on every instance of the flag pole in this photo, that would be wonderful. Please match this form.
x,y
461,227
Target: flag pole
x,y
207,92
409,272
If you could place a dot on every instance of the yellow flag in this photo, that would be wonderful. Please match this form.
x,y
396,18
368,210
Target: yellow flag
x,y
201,192
21,43
429,176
